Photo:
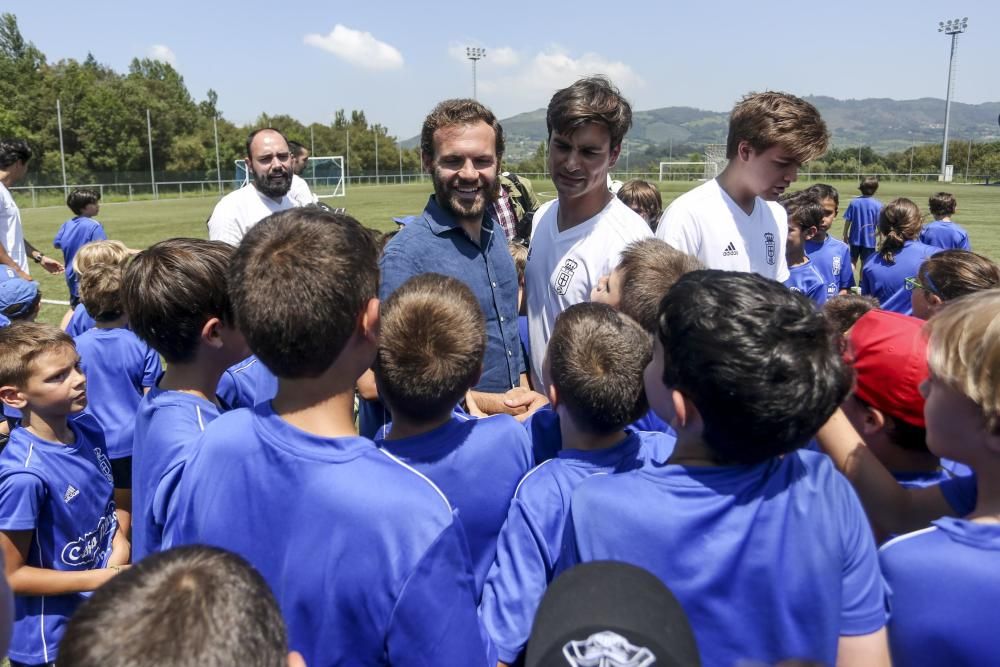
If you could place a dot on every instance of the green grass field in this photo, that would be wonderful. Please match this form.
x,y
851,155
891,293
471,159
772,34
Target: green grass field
x,y
140,224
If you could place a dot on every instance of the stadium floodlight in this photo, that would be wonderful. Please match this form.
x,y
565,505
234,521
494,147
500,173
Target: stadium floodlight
x,y
953,27
474,53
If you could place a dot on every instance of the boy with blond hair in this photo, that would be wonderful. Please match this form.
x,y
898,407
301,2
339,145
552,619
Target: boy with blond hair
x,y
430,354
58,529
731,222
120,369
365,555
953,624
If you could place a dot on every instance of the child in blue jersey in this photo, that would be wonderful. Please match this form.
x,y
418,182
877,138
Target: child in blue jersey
x,y
78,320
765,545
647,270
177,301
945,579
948,275
593,369
942,232
884,275
120,369
76,232
519,253
58,529
365,555
889,354
861,220
830,256
430,353
805,216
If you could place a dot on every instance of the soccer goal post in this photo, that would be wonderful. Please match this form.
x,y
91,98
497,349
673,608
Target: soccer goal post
x,y
323,173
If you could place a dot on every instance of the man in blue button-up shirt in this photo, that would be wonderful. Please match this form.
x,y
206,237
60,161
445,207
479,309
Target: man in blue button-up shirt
x,y
461,145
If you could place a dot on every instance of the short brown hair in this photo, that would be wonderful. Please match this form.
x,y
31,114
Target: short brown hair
x,y
843,310
647,270
458,112
900,221
593,99
942,204
951,274
172,288
431,346
963,350
21,343
642,195
804,209
868,185
191,605
596,359
519,253
298,282
100,291
777,119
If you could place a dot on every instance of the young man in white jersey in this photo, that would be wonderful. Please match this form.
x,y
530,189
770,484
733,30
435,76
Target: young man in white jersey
x,y
732,221
578,238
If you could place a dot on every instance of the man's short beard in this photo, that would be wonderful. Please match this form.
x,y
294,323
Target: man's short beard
x,y
275,188
452,204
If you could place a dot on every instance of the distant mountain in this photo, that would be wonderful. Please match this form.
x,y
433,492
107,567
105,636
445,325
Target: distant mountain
x,y
883,124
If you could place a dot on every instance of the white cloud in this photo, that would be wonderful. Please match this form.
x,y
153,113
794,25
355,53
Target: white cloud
x,y
357,47
163,54
501,56
555,68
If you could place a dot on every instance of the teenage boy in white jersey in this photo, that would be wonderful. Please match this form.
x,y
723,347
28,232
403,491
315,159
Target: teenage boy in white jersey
x,y
732,221
578,238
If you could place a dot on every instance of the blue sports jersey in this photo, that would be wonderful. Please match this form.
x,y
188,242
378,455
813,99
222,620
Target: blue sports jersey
x,y
245,384
887,282
863,214
944,587
118,367
363,553
477,463
529,544
769,560
64,494
832,259
73,235
80,321
167,426
961,493
946,235
373,416
806,280
546,436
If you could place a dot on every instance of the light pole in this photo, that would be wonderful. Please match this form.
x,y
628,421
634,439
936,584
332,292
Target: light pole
x,y
474,53
953,27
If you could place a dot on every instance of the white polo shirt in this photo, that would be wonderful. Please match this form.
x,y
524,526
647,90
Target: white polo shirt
x,y
238,211
563,267
708,224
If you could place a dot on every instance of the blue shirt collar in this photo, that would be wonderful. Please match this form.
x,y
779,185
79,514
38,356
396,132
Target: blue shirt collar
x,y
441,221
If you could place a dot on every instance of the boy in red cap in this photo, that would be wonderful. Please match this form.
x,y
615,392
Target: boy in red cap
x,y
889,355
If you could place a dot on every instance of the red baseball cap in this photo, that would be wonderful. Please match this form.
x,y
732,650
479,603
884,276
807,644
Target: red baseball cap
x,y
889,355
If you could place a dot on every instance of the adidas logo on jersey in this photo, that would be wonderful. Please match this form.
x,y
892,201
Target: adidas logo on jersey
x,y
730,250
71,493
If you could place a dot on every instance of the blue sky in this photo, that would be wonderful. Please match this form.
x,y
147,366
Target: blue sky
x,y
395,60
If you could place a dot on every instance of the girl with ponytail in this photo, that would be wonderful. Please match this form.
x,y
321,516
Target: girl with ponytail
x,y
899,256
